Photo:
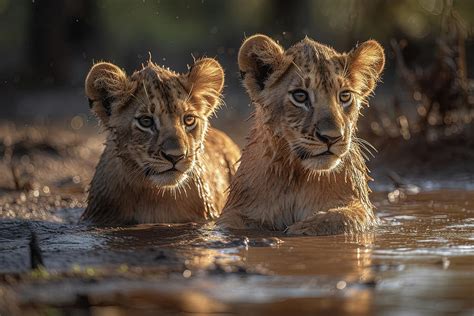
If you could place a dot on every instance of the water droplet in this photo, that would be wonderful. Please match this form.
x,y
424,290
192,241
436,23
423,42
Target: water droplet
x,y
77,122
341,285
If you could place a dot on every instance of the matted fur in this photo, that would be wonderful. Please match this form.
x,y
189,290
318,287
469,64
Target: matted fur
x,y
283,182
134,181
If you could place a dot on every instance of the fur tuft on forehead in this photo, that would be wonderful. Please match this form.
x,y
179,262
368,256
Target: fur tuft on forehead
x,y
311,50
152,72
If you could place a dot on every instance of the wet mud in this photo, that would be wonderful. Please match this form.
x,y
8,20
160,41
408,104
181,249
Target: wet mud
x,y
419,261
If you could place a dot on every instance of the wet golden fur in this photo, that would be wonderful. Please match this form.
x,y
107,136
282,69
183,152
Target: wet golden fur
x,y
291,177
171,171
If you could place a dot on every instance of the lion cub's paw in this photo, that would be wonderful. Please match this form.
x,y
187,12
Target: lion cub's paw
x,y
231,220
322,223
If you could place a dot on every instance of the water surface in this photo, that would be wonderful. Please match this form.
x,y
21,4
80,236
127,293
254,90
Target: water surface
x,y
420,261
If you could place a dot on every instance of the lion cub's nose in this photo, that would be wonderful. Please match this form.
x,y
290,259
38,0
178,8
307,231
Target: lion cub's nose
x,y
172,158
330,137
172,150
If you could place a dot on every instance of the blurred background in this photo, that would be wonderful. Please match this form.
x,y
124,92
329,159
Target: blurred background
x,y
425,102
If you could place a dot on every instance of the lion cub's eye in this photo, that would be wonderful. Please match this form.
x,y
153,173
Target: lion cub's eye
x,y
345,97
300,96
189,120
145,121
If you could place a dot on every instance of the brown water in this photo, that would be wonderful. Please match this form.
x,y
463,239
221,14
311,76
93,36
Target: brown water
x,y
420,261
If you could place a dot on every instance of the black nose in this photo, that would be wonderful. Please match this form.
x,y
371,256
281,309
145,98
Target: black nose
x,y
172,158
328,139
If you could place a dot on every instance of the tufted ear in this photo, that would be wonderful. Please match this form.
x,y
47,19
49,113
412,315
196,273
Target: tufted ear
x,y
366,63
205,81
259,58
107,87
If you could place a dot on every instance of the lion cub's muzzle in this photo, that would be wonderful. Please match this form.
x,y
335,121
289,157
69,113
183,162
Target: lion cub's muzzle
x,y
329,140
329,145
171,162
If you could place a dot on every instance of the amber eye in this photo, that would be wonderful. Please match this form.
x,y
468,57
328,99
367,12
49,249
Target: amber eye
x,y
345,97
145,121
300,96
189,120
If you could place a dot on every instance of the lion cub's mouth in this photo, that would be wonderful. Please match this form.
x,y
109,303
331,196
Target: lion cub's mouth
x,y
152,172
304,154
326,153
167,178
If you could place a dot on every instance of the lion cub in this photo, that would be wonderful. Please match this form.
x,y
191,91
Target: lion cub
x,y
302,170
162,162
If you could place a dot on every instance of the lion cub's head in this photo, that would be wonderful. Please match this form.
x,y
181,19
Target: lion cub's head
x,y
157,118
310,95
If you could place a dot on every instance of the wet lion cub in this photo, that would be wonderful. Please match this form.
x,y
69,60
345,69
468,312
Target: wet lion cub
x,y
161,163
302,170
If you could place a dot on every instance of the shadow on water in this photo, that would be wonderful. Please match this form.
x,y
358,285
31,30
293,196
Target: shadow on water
x,y
419,261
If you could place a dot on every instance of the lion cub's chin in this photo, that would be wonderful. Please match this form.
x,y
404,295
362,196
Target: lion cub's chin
x,y
321,163
170,179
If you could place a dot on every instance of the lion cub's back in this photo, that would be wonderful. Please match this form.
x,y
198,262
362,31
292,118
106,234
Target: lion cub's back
x,y
222,150
221,158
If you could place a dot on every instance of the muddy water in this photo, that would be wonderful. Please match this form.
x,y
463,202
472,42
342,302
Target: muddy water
x,y
420,261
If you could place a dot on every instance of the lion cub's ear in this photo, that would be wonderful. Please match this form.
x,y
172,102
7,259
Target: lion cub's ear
x,y
107,87
366,63
205,81
259,58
